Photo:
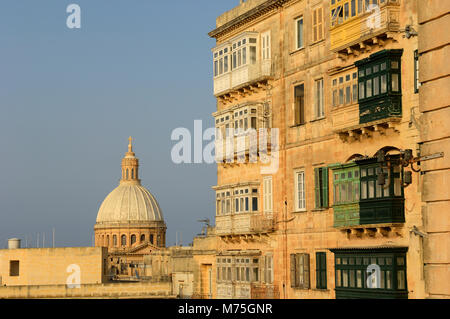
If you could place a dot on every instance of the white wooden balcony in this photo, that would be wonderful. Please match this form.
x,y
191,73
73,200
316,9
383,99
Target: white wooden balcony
x,y
241,76
244,224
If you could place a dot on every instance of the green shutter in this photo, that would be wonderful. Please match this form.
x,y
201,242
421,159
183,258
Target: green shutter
x,y
325,186
317,186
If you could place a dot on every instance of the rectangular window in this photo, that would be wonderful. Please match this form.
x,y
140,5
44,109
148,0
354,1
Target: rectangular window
x,y
299,33
300,271
321,270
268,199
321,187
299,104
300,190
268,269
14,270
318,24
319,104
265,45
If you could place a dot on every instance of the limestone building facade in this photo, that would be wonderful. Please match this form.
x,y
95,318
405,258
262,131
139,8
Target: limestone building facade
x,y
343,216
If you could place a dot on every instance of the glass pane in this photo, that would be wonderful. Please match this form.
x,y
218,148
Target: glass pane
x,y
383,84
401,280
382,279
338,261
388,261
383,66
388,279
394,64
348,95
359,278
371,189
363,190
395,82
338,278
369,88
376,86
361,90
352,278
345,278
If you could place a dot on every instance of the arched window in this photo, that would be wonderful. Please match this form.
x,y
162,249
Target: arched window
x,y
142,238
114,240
133,239
159,240
107,240
132,173
151,239
124,240
127,173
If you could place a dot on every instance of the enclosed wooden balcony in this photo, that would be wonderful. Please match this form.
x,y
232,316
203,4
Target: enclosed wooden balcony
x,y
245,225
243,79
358,25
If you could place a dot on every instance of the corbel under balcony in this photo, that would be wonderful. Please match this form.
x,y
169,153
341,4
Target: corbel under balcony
x,y
373,230
247,89
367,130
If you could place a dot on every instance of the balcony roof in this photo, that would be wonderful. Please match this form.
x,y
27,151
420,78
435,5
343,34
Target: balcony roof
x,y
243,18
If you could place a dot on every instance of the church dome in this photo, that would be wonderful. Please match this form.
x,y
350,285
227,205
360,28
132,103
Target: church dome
x,y
130,202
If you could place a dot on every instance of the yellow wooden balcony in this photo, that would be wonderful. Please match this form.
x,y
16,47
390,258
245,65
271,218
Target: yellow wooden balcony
x,y
356,29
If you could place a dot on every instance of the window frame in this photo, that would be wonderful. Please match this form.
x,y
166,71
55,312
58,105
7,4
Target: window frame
x,y
296,24
321,270
298,207
300,271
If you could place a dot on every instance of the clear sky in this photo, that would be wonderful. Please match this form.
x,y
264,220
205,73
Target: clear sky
x,y
70,98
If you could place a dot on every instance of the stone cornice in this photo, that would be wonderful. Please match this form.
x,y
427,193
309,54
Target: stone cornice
x,y
247,16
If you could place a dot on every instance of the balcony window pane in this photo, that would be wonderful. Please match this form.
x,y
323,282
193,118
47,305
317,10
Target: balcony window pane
x,y
341,96
252,55
360,6
348,95
216,66
225,64
244,56
220,66
335,100
255,204
345,278
388,279
253,122
346,11
359,279
394,65
369,88
353,5
234,60
401,280
371,189
361,90
383,84
363,190
376,86
395,82
338,278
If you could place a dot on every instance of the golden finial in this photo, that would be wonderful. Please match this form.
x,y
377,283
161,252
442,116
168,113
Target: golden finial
x,y
130,146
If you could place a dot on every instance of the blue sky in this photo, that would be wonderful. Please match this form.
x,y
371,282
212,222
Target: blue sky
x,y
69,99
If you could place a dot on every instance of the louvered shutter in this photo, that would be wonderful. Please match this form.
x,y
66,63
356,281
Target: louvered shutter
x,y
306,270
317,186
325,186
293,266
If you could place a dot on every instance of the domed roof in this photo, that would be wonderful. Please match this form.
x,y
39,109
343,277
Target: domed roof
x,y
130,202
